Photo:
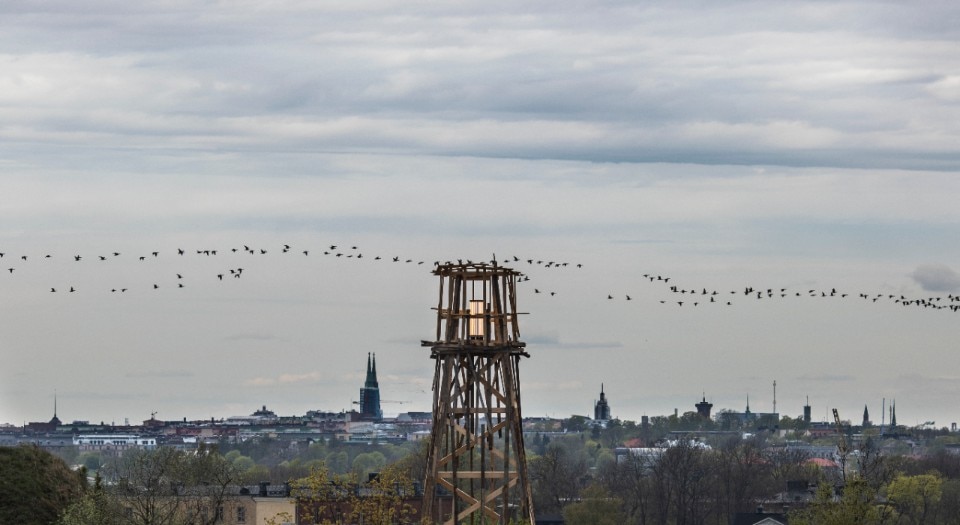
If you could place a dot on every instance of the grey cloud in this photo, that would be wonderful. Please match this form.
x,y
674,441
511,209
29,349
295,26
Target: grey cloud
x,y
936,278
617,84
553,340
830,378
252,337
162,374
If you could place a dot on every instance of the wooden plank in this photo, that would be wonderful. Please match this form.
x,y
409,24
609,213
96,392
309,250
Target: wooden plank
x,y
477,474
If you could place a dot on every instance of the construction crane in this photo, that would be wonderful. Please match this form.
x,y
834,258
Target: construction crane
x,y
841,445
383,401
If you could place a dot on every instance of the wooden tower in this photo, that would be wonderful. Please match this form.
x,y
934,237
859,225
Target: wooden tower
x,y
476,451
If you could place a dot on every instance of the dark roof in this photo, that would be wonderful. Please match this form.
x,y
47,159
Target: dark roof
x,y
759,518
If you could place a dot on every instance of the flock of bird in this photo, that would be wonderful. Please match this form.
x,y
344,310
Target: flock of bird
x,y
333,251
668,294
703,296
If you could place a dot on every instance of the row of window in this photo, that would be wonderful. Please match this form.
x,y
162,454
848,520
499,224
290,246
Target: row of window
x,y
114,442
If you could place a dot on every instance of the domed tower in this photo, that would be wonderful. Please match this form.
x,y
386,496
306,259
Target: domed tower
x,y
703,408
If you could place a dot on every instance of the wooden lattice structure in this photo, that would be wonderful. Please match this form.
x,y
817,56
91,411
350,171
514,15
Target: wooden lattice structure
x,y
476,451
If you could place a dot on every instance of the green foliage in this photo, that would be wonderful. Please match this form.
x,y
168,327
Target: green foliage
x,y
380,501
338,462
36,486
575,424
243,463
857,504
93,508
557,475
91,460
367,463
915,497
596,507
165,485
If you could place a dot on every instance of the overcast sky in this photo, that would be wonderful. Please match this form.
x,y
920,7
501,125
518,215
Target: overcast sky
x,y
808,147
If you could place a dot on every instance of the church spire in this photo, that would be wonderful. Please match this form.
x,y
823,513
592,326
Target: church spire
x,y
55,421
370,393
371,381
601,409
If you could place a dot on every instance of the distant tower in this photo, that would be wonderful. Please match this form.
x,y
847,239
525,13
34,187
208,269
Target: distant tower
x,y
806,412
893,414
55,421
370,393
866,417
476,451
774,396
703,408
601,410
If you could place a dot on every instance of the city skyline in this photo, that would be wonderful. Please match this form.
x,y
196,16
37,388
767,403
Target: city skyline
x,y
804,149
886,418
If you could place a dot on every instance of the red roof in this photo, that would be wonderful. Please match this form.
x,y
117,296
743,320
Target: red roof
x,y
823,463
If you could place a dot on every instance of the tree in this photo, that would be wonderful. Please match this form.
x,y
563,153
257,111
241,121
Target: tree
x,y
325,498
575,424
36,486
743,475
629,480
788,464
556,476
318,495
367,463
872,465
596,507
915,497
681,477
95,507
381,501
209,475
857,505
950,502
162,486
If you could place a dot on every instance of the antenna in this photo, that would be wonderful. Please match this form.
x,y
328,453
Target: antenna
x,y
774,396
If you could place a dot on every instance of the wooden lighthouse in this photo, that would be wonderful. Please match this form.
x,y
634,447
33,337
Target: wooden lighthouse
x,y
476,452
